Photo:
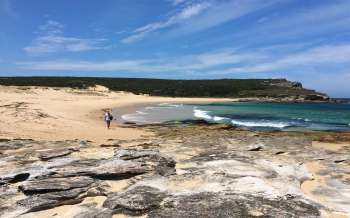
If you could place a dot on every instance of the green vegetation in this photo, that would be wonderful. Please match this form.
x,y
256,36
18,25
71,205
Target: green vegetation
x,y
174,88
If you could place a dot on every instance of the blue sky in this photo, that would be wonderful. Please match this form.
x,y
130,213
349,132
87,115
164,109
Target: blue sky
x,y
307,41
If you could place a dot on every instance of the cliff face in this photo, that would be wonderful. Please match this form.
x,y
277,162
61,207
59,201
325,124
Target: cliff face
x,y
312,95
284,90
271,88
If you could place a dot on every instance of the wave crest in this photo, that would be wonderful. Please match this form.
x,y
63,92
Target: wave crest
x,y
279,125
202,114
268,124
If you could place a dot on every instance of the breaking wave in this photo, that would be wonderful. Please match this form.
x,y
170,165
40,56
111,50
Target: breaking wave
x,y
268,124
279,125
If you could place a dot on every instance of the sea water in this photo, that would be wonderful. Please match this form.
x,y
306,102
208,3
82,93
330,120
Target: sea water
x,y
252,115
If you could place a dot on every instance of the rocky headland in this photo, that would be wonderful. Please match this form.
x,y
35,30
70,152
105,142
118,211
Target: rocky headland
x,y
182,170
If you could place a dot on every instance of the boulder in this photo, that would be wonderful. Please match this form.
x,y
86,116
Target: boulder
x,y
135,201
53,199
106,169
162,165
54,184
255,147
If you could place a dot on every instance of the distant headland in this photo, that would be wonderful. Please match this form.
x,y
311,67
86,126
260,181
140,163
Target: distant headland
x,y
263,89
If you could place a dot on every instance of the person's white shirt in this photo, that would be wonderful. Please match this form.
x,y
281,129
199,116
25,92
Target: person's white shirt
x,y
107,117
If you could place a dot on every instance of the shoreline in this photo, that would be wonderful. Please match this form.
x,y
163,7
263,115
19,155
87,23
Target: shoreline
x,y
65,113
67,125
155,114
132,106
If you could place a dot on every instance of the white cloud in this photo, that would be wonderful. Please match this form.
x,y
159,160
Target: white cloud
x,y
188,63
115,65
225,62
320,21
318,56
51,39
200,16
185,14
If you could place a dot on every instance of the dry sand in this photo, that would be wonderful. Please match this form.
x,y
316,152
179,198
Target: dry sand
x,y
64,113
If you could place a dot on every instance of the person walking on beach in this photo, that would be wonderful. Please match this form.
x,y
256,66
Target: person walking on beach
x,y
108,119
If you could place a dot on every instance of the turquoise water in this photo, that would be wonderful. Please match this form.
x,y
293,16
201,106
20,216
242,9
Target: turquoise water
x,y
325,116
252,115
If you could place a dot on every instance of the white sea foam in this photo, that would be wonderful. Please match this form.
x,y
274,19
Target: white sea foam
x,y
304,119
151,108
170,105
141,112
202,114
162,107
133,117
260,124
216,118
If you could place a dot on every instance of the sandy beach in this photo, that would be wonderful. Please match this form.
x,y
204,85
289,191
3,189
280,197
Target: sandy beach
x,y
63,113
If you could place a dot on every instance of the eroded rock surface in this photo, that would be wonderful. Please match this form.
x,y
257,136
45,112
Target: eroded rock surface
x,y
34,183
135,201
186,170
52,199
217,205
54,184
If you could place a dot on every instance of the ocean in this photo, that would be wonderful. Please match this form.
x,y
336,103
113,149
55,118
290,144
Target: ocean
x,y
252,115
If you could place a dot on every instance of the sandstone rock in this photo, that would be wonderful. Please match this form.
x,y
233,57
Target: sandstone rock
x,y
53,199
162,165
54,184
134,154
219,176
105,169
135,201
11,145
14,178
220,205
53,153
114,145
255,147
95,213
